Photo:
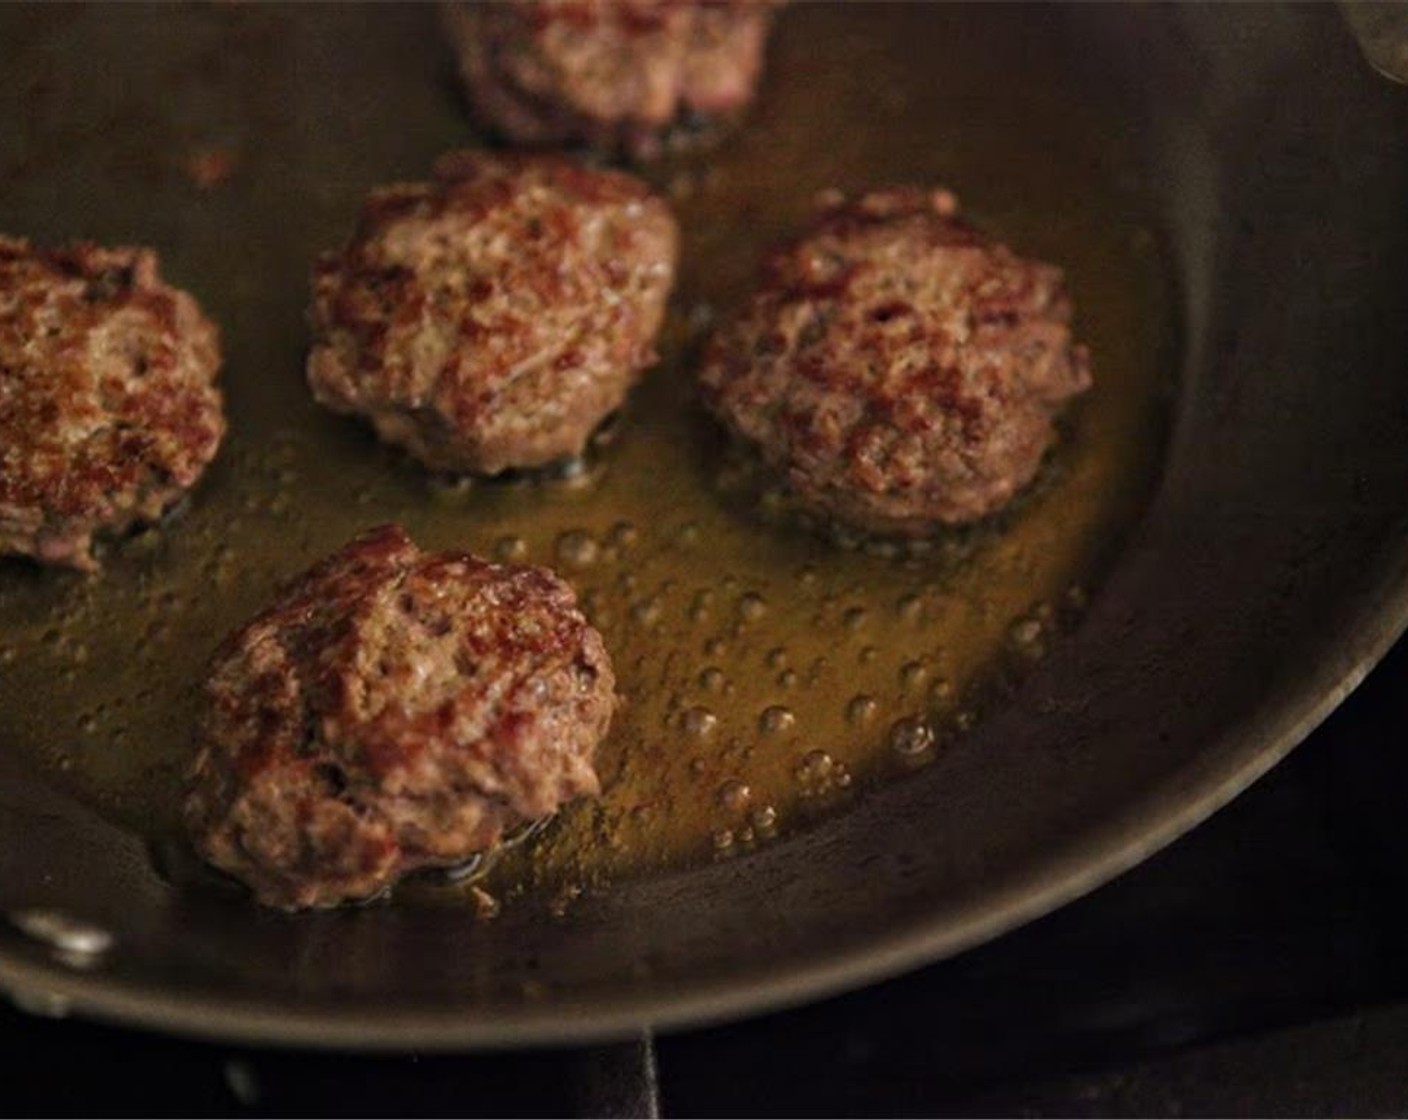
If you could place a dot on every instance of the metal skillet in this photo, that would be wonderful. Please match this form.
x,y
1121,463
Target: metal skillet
x,y
1234,600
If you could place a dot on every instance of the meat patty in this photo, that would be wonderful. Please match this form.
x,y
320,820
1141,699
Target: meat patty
x,y
494,317
393,709
108,406
900,369
614,74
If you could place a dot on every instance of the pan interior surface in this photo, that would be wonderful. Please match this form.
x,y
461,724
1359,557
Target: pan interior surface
x,y
765,671
729,867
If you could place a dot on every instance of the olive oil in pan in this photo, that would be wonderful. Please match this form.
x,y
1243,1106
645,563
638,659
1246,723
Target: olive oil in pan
x,y
766,674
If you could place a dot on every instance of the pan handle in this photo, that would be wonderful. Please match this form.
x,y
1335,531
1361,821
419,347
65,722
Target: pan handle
x,y
1381,27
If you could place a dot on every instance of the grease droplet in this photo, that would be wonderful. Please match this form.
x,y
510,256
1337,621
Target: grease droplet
x,y
913,675
510,550
624,535
861,709
698,722
734,796
752,607
647,612
776,719
712,679
911,737
576,549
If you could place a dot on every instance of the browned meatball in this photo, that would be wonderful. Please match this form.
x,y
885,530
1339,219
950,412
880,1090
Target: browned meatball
x,y
900,369
108,406
493,318
391,710
615,74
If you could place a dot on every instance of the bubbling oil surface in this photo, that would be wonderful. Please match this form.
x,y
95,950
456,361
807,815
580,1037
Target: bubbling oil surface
x,y
766,673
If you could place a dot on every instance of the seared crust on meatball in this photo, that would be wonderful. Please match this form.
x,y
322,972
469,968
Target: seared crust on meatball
x,y
108,406
614,74
393,709
900,369
494,317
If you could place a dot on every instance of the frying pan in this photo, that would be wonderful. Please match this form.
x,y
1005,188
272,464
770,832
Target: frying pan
x,y
1266,575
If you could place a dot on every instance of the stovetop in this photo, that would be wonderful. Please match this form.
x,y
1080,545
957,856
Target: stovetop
x,y
1258,966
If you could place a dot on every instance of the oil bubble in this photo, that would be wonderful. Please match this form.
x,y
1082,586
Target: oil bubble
x,y
910,607
777,658
820,775
734,796
624,535
752,607
855,618
712,679
576,472
510,550
450,489
913,674
1028,638
576,549
764,820
787,678
698,722
911,737
861,709
776,719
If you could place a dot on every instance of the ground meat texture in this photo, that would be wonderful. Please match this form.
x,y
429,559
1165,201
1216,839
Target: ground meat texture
x,y
108,406
494,317
900,369
614,74
393,709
